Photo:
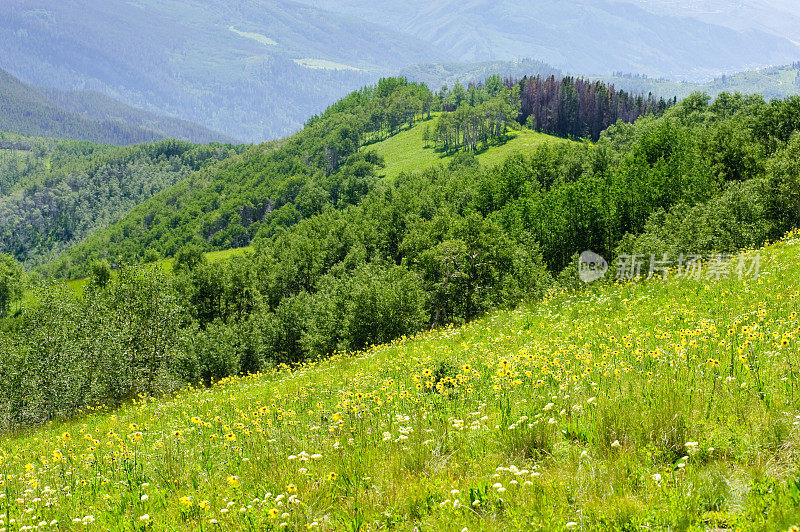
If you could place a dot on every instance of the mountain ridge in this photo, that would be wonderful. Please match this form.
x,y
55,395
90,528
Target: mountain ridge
x,y
592,37
85,115
181,58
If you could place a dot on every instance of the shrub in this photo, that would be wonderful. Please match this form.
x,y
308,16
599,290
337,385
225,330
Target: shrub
x,y
120,340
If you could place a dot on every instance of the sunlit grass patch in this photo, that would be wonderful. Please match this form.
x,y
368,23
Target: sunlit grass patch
x,y
323,64
407,151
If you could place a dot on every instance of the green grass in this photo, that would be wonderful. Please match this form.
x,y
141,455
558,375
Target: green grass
x,y
323,64
407,152
259,38
660,405
226,254
211,257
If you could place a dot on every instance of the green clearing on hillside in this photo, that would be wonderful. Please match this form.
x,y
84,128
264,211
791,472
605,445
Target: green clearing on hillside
x,y
323,64
408,152
263,39
668,405
211,257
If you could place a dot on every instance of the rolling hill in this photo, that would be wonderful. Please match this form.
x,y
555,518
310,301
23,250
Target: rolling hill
x,y
66,203
84,115
252,70
589,36
256,191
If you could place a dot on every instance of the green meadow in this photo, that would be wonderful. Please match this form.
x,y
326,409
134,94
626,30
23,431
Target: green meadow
x,y
664,404
407,151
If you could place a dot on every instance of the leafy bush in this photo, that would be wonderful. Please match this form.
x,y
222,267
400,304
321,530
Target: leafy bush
x,y
127,338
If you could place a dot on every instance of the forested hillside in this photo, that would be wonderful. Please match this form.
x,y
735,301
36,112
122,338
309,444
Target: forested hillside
x,y
770,82
55,193
342,260
44,112
331,164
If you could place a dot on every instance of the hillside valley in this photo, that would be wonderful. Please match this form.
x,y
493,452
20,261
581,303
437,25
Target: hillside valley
x,y
325,265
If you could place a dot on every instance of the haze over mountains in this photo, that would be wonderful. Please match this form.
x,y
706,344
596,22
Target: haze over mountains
x,y
252,70
653,37
779,17
256,70
87,115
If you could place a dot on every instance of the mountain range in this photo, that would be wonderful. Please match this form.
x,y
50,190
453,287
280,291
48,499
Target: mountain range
x,y
252,70
653,37
87,115
257,70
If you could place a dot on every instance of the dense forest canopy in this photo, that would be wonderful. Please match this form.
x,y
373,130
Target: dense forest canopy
x,y
576,107
329,164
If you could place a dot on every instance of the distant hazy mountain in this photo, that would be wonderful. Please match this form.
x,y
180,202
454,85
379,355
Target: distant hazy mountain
x,y
44,112
780,17
588,36
258,69
434,75
251,69
771,82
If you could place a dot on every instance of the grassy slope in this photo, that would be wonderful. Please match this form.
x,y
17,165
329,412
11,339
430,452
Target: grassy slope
x,y
211,257
574,412
407,152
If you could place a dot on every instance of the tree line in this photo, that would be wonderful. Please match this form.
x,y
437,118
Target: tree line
x,y
580,108
566,107
482,115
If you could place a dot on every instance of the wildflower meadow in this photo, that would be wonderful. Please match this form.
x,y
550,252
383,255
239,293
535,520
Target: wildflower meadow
x,y
663,404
